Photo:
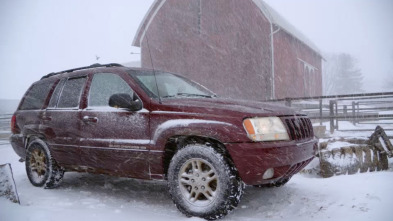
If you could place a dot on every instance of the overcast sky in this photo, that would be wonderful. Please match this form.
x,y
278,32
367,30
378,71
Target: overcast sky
x,y
43,36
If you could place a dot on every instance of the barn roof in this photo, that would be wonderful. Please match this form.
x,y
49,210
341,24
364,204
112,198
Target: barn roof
x,y
272,15
278,20
154,8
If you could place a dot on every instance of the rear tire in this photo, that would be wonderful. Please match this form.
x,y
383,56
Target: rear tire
x,y
202,183
42,170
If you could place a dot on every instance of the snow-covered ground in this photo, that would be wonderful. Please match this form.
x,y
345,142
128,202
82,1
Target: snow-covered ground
x,y
95,197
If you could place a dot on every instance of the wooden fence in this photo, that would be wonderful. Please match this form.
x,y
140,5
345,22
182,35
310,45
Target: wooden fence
x,y
368,108
5,130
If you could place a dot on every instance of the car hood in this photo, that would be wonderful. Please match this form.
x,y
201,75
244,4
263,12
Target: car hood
x,y
225,107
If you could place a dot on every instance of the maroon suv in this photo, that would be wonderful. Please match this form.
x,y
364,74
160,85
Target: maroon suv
x,y
145,124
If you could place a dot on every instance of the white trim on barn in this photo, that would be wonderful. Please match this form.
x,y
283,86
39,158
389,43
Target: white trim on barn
x,y
274,17
306,64
137,42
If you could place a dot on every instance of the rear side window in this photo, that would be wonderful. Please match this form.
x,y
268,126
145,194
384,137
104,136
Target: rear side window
x,y
36,96
56,94
71,93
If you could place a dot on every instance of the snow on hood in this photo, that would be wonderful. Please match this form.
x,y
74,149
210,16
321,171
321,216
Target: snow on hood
x,y
227,107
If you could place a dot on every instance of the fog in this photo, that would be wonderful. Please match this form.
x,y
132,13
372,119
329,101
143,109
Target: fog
x,y
362,28
39,37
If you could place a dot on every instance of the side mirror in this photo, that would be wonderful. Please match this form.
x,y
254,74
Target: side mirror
x,y
125,101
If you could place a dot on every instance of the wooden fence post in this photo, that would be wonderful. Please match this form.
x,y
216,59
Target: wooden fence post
x,y
353,112
331,115
320,112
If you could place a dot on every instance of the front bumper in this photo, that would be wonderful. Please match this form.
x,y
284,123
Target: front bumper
x,y
286,158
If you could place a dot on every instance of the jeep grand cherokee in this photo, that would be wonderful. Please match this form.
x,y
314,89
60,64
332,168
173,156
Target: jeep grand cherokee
x,y
146,124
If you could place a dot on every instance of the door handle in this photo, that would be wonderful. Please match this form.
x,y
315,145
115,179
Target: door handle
x,y
46,118
89,119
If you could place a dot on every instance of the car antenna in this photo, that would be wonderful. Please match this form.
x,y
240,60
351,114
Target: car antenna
x,y
154,71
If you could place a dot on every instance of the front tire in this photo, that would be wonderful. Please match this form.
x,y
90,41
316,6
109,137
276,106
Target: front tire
x,y
42,170
202,183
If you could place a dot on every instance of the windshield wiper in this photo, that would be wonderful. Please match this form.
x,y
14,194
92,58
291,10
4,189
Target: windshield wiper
x,y
193,95
189,95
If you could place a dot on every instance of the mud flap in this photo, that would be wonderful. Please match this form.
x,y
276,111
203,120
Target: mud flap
x,y
7,184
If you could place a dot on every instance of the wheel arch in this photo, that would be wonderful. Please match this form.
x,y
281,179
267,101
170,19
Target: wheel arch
x,y
175,143
31,137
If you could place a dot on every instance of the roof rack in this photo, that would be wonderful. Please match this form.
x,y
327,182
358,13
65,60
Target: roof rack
x,y
82,68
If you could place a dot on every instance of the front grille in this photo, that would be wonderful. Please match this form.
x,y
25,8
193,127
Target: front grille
x,y
299,128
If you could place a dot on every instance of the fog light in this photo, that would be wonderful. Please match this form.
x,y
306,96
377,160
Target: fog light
x,y
269,173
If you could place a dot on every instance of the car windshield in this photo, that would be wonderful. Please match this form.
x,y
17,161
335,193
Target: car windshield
x,y
169,85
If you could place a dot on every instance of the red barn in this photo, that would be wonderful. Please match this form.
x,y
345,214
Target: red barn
x,y
239,49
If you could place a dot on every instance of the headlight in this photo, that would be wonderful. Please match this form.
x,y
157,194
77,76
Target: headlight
x,y
265,129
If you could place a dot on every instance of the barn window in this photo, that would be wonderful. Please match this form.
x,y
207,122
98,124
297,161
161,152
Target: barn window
x,y
309,80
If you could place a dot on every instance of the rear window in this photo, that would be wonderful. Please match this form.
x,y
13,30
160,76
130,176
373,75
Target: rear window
x,y
35,98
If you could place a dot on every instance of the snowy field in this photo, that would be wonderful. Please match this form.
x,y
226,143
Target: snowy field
x,y
95,197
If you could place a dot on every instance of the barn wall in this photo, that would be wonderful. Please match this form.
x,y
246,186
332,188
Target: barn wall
x,y
297,68
223,44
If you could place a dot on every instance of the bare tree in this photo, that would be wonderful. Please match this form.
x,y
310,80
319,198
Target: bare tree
x,y
341,76
388,85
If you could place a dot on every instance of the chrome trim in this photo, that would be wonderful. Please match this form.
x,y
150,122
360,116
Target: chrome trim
x,y
307,142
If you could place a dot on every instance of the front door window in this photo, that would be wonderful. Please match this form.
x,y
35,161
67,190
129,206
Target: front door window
x,y
103,86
